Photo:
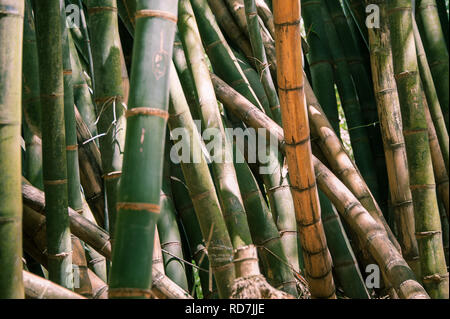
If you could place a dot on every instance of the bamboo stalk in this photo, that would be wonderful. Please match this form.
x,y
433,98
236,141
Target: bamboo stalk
x,y
431,96
320,63
11,32
443,17
345,264
436,49
259,55
422,184
186,211
53,141
298,149
138,201
362,80
381,247
396,160
168,231
108,95
33,157
199,183
222,58
31,106
39,288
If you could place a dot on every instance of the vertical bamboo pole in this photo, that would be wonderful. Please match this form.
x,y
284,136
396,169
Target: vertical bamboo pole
x,y
422,184
394,144
298,148
11,31
139,194
48,26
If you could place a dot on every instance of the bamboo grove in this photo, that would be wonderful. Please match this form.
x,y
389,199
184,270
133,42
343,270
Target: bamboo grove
x,y
204,149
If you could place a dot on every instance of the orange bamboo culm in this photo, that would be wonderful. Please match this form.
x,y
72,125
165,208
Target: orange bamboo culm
x,y
298,148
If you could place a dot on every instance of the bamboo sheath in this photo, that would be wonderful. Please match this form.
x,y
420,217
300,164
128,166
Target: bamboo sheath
x,y
436,49
53,141
138,204
108,95
394,144
387,256
33,158
298,149
422,181
431,96
202,192
11,32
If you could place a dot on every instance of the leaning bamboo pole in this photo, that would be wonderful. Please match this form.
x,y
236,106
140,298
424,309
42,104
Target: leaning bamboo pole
x,y
260,57
351,210
422,183
39,288
298,149
11,31
108,95
431,96
436,49
202,191
396,160
53,141
138,201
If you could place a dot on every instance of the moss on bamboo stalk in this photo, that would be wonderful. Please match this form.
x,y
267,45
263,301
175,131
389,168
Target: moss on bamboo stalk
x,y
396,160
11,32
422,184
138,201
108,95
53,141
298,150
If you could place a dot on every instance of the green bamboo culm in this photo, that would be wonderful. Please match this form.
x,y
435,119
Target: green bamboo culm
x,y
202,191
436,50
168,230
432,98
73,170
362,80
443,17
31,105
59,247
320,63
357,129
222,59
138,202
11,32
422,184
186,211
259,54
108,96
344,260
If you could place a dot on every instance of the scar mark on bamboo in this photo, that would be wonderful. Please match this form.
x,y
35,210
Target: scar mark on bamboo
x,y
160,60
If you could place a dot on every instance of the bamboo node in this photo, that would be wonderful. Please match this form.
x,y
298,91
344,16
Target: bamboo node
x,y
146,13
149,111
71,147
425,234
129,292
294,88
152,208
6,12
55,182
59,256
112,175
435,278
301,142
